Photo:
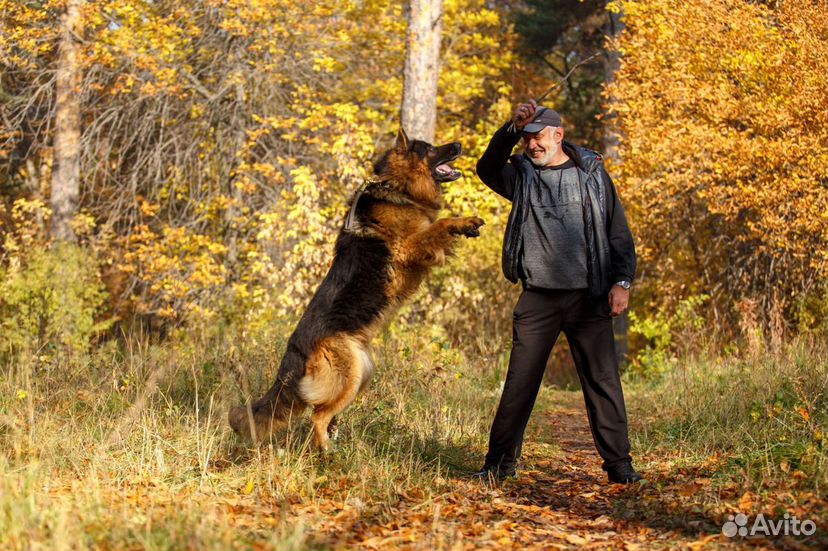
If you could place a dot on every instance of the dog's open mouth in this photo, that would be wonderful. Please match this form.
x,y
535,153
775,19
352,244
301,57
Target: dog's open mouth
x,y
444,172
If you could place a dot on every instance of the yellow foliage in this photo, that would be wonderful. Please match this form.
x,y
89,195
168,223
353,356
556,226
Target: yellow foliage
x,y
24,231
721,109
229,135
179,268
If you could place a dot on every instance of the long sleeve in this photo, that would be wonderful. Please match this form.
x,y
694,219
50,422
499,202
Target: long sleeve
x,y
622,246
493,167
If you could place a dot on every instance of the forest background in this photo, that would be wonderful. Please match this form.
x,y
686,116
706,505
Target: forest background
x,y
173,175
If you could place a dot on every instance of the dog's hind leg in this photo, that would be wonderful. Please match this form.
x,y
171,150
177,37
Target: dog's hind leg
x,y
333,378
324,414
361,368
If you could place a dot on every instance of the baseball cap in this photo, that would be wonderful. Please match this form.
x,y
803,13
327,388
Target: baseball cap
x,y
543,117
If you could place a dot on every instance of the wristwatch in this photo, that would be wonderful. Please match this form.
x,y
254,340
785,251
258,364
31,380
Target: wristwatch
x,y
624,284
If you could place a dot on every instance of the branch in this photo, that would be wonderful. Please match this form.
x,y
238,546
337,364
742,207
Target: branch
x,y
543,97
211,96
566,76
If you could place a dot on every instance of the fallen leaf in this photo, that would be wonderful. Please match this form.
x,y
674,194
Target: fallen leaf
x,y
575,539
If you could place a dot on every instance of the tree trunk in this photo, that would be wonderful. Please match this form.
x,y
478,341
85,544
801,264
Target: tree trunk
x,y
66,175
422,67
612,62
621,324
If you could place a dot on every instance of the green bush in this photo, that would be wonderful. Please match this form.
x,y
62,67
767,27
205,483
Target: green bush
x,y
811,312
666,336
51,301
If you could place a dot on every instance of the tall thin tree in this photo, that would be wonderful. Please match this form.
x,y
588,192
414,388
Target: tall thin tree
x,y
612,60
66,175
422,68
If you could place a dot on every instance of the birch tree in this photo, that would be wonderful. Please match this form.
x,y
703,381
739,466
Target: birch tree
x,y
422,68
66,176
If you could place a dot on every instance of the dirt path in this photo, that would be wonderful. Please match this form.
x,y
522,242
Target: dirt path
x,y
560,501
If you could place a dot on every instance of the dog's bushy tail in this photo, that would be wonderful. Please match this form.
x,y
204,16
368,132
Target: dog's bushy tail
x,y
256,421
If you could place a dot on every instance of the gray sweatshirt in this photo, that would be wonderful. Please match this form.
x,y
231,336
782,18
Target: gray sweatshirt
x,y
554,243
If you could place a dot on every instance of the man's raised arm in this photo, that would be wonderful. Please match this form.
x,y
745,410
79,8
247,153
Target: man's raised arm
x,y
493,167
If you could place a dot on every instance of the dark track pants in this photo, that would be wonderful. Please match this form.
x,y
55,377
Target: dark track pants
x,y
539,317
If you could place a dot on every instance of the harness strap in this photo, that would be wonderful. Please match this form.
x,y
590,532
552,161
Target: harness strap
x,y
349,220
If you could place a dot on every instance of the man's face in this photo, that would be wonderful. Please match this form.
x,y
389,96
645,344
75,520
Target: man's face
x,y
544,145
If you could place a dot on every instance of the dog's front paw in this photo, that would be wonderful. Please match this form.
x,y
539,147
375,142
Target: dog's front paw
x,y
470,227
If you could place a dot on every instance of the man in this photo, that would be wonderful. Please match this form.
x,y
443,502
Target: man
x,y
568,242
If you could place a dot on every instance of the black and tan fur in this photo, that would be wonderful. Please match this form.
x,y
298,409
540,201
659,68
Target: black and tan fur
x,y
390,240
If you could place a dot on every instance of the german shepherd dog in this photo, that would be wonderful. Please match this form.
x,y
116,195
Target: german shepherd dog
x,y
388,243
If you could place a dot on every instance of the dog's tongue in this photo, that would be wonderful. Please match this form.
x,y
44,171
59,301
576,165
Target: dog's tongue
x,y
444,168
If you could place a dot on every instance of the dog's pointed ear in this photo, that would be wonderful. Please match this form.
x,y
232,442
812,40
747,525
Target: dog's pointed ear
x,y
401,143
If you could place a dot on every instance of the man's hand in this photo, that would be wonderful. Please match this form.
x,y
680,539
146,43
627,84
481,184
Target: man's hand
x,y
619,299
524,113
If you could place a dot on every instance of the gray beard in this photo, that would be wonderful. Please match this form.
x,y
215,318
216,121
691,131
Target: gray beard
x,y
549,156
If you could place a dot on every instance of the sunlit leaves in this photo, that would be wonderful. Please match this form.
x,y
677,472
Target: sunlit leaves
x,y
223,138
721,106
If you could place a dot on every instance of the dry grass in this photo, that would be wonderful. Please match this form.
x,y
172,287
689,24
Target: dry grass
x,y
128,448
763,414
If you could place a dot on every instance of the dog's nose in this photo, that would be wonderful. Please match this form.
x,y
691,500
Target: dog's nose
x,y
458,149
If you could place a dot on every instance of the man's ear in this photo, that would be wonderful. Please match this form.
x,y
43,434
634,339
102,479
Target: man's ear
x,y
401,143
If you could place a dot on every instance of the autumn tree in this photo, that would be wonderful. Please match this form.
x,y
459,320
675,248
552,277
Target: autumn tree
x,y
422,68
221,139
28,53
721,111
66,176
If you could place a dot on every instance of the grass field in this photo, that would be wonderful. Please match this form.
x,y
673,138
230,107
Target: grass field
x,y
128,448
